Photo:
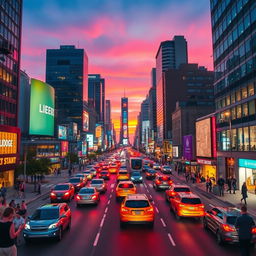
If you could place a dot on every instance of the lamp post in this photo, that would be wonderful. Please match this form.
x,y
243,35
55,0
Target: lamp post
x,y
228,115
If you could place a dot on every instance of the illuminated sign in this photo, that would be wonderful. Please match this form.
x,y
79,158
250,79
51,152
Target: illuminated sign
x,y
64,148
41,120
62,132
8,143
247,163
84,147
175,151
125,141
85,121
125,117
89,138
203,138
98,131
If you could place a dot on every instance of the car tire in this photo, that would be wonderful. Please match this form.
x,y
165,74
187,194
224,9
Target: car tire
x,y
219,238
69,225
177,216
59,237
78,205
122,225
27,240
151,224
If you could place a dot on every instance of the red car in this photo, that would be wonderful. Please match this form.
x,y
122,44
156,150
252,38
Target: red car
x,y
62,192
162,182
174,189
104,174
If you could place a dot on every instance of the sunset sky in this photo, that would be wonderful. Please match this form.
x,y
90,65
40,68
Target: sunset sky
x,y
121,38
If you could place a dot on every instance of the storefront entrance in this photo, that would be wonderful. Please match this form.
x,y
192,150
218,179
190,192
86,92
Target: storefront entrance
x,y
7,178
230,170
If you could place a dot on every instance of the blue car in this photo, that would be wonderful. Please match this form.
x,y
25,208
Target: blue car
x,y
136,177
48,221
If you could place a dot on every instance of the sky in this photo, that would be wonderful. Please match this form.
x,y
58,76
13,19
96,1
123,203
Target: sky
x,y
120,37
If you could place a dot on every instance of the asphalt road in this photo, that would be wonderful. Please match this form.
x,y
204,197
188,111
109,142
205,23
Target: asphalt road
x,y
95,231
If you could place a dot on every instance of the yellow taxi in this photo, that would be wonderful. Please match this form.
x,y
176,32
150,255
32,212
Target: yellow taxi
x,y
136,209
125,188
122,175
113,168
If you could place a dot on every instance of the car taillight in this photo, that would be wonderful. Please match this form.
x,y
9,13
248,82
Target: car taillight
x,y
66,194
78,185
123,209
53,194
78,197
201,206
158,182
254,231
227,228
172,193
94,197
170,182
150,210
181,205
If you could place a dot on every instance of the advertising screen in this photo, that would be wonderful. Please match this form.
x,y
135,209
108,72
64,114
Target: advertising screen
x,y
175,151
85,121
84,147
125,117
98,131
41,119
203,138
188,147
64,148
89,138
62,132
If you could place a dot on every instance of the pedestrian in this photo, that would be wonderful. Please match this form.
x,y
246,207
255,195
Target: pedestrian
x,y
8,234
69,172
16,187
22,190
221,183
18,221
12,204
3,191
2,207
233,184
244,193
187,176
23,209
39,188
244,225
229,184
210,185
207,184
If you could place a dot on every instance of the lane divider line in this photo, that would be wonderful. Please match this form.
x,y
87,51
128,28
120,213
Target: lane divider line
x,y
153,202
151,185
112,190
106,210
164,225
211,205
110,196
171,240
96,239
102,222
157,210
108,202
150,196
112,185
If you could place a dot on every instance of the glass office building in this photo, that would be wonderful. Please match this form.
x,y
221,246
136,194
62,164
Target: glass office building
x,y
234,48
67,73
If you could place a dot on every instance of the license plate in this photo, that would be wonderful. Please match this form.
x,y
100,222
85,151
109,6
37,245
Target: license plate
x,y
165,183
59,197
85,197
191,208
137,212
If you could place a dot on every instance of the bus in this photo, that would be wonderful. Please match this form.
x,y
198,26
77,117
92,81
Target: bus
x,y
136,164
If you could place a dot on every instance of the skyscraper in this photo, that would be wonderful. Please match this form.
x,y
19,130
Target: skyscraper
x,y
10,44
96,95
67,72
170,54
234,52
124,129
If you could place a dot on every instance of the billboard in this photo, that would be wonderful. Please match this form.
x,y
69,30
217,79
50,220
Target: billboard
x,y
41,119
84,147
64,148
62,132
188,147
89,138
125,117
98,131
85,121
203,138
175,151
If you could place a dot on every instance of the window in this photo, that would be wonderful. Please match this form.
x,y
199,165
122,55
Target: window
x,y
233,98
253,138
251,89
238,111
228,100
247,21
234,139
244,92
245,109
240,28
253,14
240,139
246,139
251,107
238,95
233,113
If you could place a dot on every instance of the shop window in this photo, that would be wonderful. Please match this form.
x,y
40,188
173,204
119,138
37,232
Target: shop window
x,y
223,103
238,95
233,113
253,138
233,98
234,139
240,139
252,107
228,100
244,92
246,139
238,111
251,89
245,109
224,140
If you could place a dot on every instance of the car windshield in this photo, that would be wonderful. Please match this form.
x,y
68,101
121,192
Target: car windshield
x,y
45,214
126,185
191,200
181,189
166,167
104,172
75,180
136,164
87,172
86,191
164,178
123,172
137,203
136,174
231,220
61,187
97,182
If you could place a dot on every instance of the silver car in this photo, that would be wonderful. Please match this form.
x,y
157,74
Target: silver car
x,y
87,195
99,184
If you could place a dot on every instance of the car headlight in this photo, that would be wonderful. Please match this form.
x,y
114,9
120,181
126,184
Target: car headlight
x,y
27,226
54,225
140,178
132,178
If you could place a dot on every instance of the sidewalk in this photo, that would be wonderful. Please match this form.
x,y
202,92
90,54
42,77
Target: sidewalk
x,y
46,185
230,199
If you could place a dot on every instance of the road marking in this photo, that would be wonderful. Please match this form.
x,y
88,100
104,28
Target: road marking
x,y
145,185
157,210
163,223
211,205
112,190
108,201
110,196
96,239
147,190
150,196
102,222
106,210
171,240
153,202
112,185
151,185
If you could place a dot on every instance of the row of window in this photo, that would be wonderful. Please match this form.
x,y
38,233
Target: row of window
x,y
235,33
9,36
236,95
12,7
240,139
4,120
235,57
7,77
7,107
239,111
227,19
237,74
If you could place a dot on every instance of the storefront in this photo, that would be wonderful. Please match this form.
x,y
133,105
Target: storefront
x,y
9,154
207,168
247,173
230,167
192,166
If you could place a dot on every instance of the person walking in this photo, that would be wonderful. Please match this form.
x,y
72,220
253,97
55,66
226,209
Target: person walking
x,y
22,190
244,193
12,204
207,184
233,184
210,186
8,233
244,225
221,183
3,191
18,221
23,209
229,184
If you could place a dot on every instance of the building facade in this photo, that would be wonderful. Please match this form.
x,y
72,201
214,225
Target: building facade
x,y
234,52
10,45
124,128
67,72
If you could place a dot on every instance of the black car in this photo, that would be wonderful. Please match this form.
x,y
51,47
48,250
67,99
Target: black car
x,y
150,174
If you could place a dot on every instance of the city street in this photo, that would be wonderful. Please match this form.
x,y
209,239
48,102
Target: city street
x,y
95,231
